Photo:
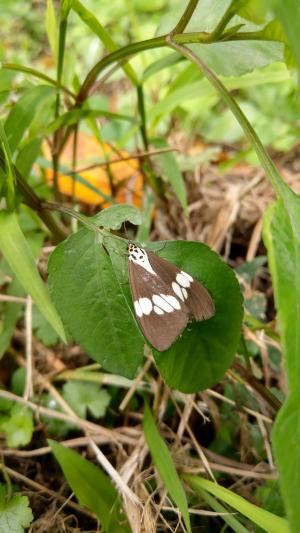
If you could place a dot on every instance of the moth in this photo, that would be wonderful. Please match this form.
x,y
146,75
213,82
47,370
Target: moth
x,y
164,297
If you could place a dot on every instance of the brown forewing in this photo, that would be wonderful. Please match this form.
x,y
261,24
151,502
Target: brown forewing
x,y
162,330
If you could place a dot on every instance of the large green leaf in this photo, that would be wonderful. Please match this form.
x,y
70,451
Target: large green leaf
x,y
92,488
201,356
203,353
165,466
19,257
91,304
282,238
237,58
229,58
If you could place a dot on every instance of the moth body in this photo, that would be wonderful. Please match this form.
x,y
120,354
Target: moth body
x,y
165,298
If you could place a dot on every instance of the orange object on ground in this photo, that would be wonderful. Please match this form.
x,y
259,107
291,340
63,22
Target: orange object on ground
x,y
121,181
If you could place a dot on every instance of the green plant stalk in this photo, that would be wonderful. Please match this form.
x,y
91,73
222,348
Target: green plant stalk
x,y
56,137
266,162
142,113
9,168
9,489
37,74
30,198
157,42
229,13
186,17
281,188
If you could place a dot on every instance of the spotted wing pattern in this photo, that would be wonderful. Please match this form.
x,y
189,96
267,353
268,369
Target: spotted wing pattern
x,y
165,298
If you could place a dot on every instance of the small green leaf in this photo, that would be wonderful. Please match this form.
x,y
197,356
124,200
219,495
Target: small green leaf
x,y
15,514
84,397
165,466
94,311
11,311
24,111
250,269
113,217
17,426
93,23
267,521
92,488
55,427
51,27
18,255
42,329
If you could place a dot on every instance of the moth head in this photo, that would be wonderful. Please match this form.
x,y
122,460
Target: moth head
x,y
140,257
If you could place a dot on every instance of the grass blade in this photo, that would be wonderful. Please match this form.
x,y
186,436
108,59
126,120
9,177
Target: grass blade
x,y
264,519
165,466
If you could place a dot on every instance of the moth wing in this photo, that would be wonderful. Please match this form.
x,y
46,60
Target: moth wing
x,y
199,302
161,330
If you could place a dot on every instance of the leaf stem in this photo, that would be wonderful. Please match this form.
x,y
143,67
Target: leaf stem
x,y
185,18
259,387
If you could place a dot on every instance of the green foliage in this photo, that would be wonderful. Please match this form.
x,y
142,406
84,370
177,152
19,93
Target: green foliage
x,y
15,513
171,170
92,488
81,276
17,425
165,466
206,349
282,237
266,520
42,329
93,309
26,109
240,41
18,255
113,217
11,312
86,398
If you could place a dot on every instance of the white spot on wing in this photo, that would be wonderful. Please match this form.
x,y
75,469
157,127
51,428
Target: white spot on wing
x,y
146,305
163,304
158,310
184,279
171,300
187,276
138,309
184,292
178,290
